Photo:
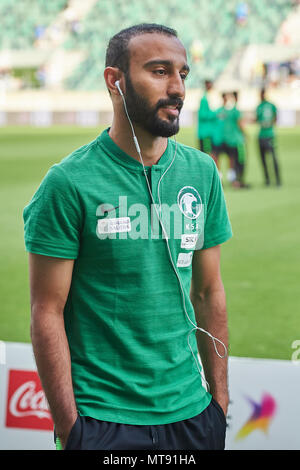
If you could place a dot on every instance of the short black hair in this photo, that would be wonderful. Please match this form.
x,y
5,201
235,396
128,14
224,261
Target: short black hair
x,y
117,53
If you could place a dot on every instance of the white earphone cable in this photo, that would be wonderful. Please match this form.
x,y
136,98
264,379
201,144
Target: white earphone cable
x,y
195,327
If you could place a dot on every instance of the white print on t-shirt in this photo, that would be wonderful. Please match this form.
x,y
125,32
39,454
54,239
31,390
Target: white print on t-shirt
x,y
189,202
188,240
120,220
121,224
184,259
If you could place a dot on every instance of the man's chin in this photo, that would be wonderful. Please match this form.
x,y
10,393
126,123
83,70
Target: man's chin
x,y
166,128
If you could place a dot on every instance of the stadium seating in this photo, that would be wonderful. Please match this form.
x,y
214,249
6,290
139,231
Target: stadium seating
x,y
212,23
211,26
24,20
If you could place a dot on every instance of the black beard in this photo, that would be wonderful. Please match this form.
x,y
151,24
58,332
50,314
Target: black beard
x,y
144,115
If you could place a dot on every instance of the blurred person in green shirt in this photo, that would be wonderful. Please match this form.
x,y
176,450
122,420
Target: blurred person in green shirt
x,y
218,145
234,140
266,116
206,120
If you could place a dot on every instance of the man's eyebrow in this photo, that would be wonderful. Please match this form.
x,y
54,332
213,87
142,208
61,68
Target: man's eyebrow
x,y
168,63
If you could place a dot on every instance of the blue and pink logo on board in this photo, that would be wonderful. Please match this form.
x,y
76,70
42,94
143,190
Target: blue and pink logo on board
x,y
261,416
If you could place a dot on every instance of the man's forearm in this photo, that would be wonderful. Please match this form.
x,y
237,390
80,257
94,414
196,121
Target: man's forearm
x,y
211,315
52,356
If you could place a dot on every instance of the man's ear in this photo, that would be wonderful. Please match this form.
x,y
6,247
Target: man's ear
x,y
111,75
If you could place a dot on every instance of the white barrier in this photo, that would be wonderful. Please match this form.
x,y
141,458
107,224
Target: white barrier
x,y
263,414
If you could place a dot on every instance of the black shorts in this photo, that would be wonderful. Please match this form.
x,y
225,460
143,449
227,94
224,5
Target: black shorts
x,y
205,145
267,144
205,431
224,148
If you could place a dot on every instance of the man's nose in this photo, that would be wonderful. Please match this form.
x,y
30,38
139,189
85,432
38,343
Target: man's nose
x,y
176,87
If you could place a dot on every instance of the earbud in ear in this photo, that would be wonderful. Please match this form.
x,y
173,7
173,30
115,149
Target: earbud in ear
x,y
117,83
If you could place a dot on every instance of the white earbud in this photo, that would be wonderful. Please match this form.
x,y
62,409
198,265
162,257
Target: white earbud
x,y
117,83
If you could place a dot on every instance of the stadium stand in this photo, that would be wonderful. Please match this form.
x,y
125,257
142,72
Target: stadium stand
x,y
23,22
52,60
196,21
212,31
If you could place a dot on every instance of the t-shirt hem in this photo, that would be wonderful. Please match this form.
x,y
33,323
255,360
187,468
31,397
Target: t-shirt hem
x,y
146,418
267,135
40,249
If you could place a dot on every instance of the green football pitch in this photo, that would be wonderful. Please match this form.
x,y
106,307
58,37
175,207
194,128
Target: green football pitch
x,y
260,264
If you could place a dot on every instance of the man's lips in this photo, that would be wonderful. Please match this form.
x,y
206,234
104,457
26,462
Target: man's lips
x,y
172,106
172,110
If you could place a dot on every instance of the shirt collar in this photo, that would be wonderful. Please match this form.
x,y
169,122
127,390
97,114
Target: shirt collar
x,y
121,157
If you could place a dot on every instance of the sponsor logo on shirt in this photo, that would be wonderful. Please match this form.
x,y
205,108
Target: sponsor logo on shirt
x,y
115,225
189,202
184,259
188,240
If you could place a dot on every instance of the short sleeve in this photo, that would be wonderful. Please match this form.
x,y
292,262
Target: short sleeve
x,y
52,219
217,226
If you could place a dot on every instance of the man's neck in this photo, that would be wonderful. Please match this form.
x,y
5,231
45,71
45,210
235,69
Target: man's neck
x,y
151,147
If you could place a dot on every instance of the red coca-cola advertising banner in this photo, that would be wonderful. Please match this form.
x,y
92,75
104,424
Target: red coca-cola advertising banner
x,y
27,407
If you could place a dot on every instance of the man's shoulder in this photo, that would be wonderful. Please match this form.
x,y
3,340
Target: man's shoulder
x,y
274,106
79,155
194,156
76,161
268,103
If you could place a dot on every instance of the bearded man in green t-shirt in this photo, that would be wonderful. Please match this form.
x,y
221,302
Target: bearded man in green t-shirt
x,y
124,239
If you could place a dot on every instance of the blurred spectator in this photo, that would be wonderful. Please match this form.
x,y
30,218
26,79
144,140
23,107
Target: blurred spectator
x,y
259,73
8,82
39,31
75,27
273,73
41,76
197,51
241,14
4,79
296,66
266,116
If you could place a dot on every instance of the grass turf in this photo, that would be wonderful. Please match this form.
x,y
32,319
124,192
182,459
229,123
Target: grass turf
x,y
260,265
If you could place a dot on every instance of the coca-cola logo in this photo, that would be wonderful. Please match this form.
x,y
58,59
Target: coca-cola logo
x,y
26,402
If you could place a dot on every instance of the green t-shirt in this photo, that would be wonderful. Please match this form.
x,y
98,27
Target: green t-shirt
x,y
206,119
124,315
233,135
266,113
218,131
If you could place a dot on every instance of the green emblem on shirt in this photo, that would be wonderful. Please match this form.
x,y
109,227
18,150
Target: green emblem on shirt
x,y
189,202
